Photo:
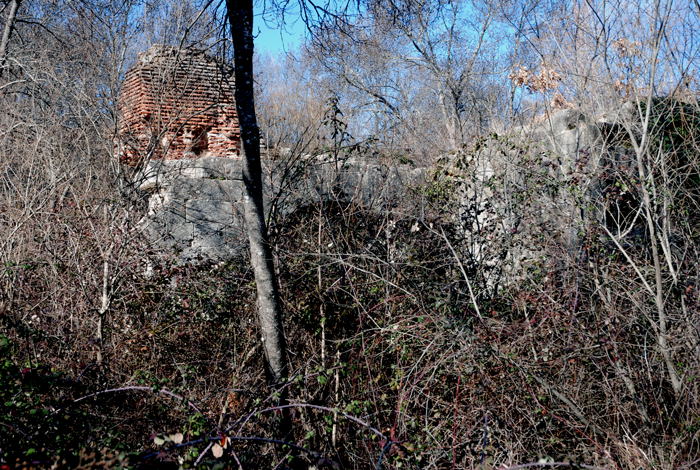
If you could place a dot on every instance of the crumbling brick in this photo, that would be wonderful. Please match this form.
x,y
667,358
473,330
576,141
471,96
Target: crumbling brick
x,y
177,103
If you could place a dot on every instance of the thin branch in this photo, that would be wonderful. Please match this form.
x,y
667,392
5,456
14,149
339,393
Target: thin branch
x,y
354,419
165,392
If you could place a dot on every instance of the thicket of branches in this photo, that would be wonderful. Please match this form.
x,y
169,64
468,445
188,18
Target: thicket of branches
x,y
402,353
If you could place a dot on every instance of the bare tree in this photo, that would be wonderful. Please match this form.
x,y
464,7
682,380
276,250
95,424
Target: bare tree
x,y
240,17
7,31
420,74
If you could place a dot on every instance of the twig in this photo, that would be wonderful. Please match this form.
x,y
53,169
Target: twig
x,y
629,260
203,453
464,274
551,464
354,419
239,438
385,449
139,389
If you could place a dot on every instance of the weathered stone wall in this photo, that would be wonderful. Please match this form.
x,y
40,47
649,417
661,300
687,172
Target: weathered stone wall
x,y
177,103
195,205
518,198
528,198
177,117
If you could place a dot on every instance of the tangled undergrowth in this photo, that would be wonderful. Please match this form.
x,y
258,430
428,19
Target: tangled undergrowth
x,y
394,365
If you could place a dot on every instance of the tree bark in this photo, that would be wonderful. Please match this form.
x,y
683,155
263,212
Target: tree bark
x,y
7,31
240,17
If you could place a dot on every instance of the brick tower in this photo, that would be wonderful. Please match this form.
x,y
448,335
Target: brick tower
x,y
177,103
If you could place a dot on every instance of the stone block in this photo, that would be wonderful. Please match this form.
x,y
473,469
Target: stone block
x,y
199,217
214,212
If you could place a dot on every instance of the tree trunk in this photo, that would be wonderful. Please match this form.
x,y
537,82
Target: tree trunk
x,y
7,31
240,17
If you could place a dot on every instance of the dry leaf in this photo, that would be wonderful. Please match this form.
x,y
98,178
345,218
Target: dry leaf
x,y
217,451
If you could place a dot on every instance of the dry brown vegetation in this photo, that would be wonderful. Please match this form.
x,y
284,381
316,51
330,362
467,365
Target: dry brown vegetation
x,y
402,353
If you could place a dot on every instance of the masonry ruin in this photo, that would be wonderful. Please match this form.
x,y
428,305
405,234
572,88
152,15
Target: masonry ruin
x,y
177,119
177,104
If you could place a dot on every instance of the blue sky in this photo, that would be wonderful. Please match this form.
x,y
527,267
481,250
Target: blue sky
x,y
270,39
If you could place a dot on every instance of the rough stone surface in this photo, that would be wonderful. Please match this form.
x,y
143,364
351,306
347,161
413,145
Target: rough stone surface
x,y
525,194
195,205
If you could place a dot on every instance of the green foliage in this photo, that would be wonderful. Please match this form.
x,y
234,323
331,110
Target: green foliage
x,y
440,192
30,407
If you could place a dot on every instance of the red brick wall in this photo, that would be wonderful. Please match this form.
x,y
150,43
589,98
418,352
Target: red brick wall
x,y
177,104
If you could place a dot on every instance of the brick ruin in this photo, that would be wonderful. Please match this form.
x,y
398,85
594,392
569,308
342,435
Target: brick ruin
x,y
175,104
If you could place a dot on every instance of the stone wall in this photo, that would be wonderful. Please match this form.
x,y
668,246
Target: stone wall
x,y
528,198
195,205
177,118
516,198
